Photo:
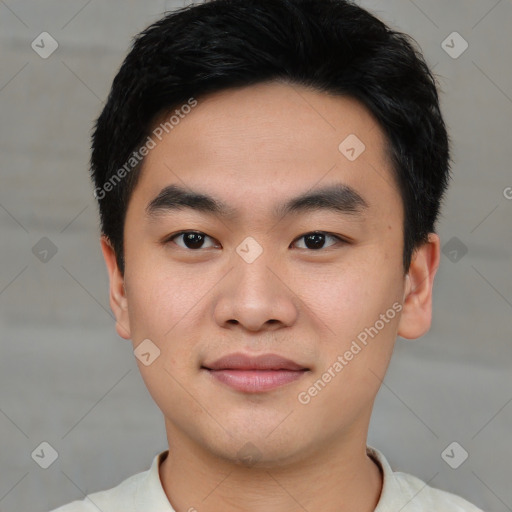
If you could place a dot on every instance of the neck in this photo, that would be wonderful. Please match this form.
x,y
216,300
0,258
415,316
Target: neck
x,y
339,477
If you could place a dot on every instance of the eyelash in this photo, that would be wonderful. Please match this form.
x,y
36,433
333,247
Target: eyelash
x,y
181,233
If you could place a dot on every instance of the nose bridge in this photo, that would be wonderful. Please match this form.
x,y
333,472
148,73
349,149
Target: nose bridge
x,y
254,293
252,272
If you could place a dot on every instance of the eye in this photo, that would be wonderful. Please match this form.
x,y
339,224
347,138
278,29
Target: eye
x,y
316,240
194,240
191,239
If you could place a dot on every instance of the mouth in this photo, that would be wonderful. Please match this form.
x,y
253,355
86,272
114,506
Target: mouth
x,y
255,374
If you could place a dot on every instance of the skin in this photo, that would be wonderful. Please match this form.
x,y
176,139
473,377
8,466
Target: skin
x,y
253,148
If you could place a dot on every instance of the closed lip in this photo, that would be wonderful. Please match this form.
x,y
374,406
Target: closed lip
x,y
240,361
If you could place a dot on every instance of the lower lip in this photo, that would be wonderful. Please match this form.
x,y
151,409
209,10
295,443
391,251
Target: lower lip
x,y
256,381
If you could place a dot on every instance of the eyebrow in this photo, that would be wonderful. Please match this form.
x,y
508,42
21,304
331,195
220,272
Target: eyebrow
x,y
338,198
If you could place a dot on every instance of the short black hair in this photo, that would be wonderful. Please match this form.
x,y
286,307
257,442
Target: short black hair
x,y
332,46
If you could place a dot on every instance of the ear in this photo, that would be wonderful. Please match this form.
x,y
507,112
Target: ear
x,y
118,301
417,305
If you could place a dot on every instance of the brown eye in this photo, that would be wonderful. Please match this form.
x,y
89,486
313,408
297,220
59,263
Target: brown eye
x,y
316,240
191,240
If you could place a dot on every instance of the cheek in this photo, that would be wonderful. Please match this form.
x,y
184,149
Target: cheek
x,y
161,298
164,307
341,296
355,303
356,341
168,306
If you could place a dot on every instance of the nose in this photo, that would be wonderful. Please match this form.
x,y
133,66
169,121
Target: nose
x,y
256,296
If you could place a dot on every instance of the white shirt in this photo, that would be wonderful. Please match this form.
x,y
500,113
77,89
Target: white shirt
x,y
143,492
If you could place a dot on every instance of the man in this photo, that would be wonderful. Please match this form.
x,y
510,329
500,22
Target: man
x,y
269,175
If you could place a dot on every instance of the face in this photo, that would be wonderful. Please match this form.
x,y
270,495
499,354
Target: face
x,y
261,269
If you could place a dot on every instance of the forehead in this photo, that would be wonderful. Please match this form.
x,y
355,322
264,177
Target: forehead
x,y
255,145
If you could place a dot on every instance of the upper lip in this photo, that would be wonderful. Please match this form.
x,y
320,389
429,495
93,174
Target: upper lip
x,y
239,361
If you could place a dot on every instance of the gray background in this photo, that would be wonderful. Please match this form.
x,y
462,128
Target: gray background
x,y
66,377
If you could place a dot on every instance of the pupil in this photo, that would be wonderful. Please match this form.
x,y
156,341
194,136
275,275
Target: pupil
x,y
193,240
316,239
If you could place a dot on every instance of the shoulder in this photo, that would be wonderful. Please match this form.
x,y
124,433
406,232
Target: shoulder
x,y
121,497
407,493
422,497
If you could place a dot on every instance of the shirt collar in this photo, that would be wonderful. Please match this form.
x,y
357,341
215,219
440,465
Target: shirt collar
x,y
151,490
390,494
151,494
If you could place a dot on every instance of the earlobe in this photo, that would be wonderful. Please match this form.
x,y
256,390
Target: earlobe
x,y
416,315
118,300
